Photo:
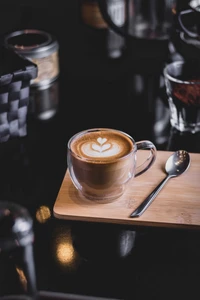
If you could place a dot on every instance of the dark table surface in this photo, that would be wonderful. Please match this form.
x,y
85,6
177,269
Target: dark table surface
x,y
80,258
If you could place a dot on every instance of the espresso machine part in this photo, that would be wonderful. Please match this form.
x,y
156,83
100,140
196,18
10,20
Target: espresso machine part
x,y
100,39
16,233
145,19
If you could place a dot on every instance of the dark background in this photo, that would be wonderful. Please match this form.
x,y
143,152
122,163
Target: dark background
x,y
94,90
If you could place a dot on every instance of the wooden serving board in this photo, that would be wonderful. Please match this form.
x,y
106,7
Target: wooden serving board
x,y
177,204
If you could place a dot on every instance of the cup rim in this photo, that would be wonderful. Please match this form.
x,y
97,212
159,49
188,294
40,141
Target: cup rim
x,y
134,149
174,79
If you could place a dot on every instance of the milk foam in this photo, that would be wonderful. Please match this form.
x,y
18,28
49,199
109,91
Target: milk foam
x,y
100,148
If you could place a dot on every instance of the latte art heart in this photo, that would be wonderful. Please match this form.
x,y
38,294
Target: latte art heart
x,y
100,148
101,141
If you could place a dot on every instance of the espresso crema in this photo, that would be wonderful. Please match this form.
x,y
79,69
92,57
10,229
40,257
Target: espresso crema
x,y
102,146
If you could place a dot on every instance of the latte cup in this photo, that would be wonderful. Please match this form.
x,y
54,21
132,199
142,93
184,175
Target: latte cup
x,y
102,161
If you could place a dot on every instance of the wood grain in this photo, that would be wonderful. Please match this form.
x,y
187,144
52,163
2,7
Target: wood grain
x,y
177,205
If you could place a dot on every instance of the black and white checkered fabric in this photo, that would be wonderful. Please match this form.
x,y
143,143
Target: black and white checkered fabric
x,y
14,99
16,72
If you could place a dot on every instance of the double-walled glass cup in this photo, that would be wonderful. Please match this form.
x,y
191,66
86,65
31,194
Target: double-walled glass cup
x,y
102,161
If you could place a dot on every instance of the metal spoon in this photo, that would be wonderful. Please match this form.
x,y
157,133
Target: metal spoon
x,y
176,164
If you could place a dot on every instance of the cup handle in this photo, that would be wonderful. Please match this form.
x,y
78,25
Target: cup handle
x,y
103,9
187,31
142,145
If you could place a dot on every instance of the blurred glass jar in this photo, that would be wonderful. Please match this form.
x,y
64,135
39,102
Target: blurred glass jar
x,y
99,37
41,48
44,101
145,19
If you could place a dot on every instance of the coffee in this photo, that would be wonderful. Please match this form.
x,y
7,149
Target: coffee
x,y
188,93
102,162
102,146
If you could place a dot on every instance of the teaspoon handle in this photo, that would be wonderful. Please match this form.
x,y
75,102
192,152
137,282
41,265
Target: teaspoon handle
x,y
145,204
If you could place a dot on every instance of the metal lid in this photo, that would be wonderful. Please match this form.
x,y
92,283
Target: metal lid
x,y
31,43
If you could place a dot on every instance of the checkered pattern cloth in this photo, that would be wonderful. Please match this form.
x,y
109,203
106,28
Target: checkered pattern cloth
x,y
14,99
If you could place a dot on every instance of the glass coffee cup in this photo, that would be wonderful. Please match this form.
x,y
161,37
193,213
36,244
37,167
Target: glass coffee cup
x,y
182,80
102,161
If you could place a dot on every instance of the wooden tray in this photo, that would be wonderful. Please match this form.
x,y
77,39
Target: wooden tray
x,y
177,205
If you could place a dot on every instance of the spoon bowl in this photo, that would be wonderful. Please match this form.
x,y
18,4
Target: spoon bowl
x,y
176,165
